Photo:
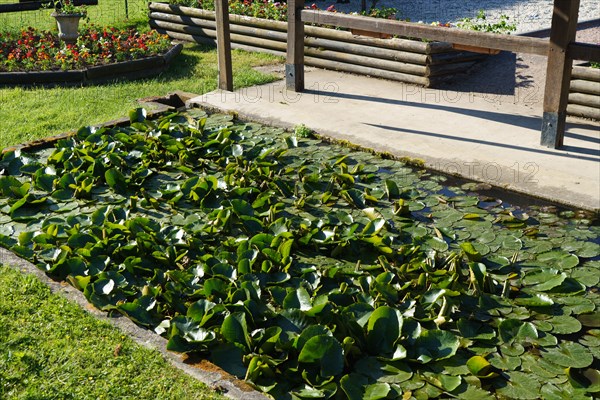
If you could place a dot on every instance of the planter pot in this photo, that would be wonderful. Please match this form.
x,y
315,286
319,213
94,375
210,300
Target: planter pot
x,y
475,49
68,26
378,35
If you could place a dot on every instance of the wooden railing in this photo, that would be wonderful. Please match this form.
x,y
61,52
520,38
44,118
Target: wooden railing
x,y
223,45
561,49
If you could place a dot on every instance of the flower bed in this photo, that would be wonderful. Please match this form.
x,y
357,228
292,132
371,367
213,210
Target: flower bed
x,y
32,50
33,56
412,61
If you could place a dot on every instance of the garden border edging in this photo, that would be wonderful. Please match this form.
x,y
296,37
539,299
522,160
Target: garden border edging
x,y
130,70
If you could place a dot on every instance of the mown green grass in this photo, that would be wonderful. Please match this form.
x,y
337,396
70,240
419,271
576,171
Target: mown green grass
x,y
52,349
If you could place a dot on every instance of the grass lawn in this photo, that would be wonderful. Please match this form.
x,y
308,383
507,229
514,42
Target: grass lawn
x,y
106,12
51,349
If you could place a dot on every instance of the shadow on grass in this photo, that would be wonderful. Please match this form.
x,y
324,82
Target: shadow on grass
x,y
185,64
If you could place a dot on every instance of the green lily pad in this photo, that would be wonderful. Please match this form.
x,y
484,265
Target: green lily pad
x,y
591,320
544,279
435,345
324,351
521,386
564,324
569,354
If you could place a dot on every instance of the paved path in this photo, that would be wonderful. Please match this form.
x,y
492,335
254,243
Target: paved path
x,y
456,132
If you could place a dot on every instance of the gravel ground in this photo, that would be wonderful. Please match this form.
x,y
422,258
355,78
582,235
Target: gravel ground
x,y
507,77
530,15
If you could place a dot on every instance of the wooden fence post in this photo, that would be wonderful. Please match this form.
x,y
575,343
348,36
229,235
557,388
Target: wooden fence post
x,y
558,73
294,64
223,45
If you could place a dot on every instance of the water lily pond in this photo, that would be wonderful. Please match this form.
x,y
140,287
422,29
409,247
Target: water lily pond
x,y
309,269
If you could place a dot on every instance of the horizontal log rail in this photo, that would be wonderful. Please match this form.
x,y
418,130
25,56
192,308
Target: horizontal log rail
x,y
313,31
411,61
584,96
583,52
517,44
587,73
324,39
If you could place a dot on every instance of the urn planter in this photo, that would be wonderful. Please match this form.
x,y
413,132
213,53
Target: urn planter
x,y
68,26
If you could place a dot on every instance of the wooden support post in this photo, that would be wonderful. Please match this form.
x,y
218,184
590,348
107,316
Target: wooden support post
x,y
294,64
558,73
223,45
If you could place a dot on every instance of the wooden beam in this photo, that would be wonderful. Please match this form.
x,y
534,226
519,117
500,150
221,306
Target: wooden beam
x,y
584,52
558,72
224,45
16,7
30,5
517,44
294,63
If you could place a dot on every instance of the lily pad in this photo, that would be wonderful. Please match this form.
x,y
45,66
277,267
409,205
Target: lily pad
x,y
435,345
569,354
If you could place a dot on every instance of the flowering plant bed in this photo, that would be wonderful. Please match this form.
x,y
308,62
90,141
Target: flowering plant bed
x,y
33,56
33,50
273,10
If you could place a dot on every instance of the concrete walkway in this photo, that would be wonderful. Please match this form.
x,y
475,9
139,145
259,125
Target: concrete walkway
x,y
487,138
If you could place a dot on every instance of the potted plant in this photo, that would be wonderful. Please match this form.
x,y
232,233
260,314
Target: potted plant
x,y
481,24
67,17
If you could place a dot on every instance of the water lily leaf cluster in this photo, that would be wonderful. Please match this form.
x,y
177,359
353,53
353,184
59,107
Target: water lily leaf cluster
x,y
311,270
